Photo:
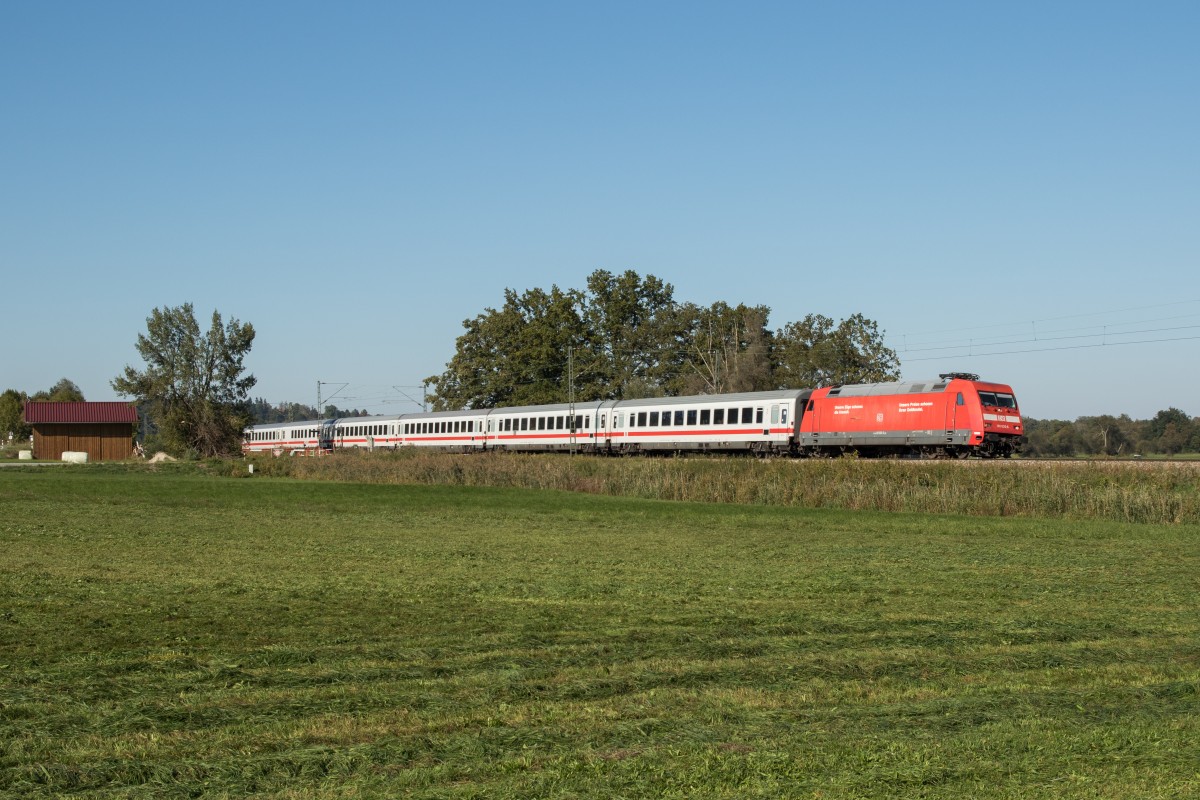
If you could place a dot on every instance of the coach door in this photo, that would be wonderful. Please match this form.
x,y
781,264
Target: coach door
x,y
326,434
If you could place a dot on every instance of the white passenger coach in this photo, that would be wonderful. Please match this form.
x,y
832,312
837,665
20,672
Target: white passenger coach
x,y
762,422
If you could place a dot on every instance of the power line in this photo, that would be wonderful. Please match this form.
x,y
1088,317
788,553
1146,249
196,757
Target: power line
x,y
1108,328
1102,334
973,354
1052,319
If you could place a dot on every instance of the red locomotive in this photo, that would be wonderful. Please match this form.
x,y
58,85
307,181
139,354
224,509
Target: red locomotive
x,y
958,415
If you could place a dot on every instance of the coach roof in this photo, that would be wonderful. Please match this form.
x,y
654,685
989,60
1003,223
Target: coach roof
x,y
737,397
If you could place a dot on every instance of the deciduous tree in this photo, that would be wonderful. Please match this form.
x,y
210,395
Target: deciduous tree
x,y
65,391
194,384
815,352
12,416
515,355
730,349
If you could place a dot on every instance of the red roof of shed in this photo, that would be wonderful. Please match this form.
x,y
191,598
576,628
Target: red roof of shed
x,y
36,412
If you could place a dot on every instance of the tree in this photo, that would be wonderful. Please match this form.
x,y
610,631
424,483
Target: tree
x,y
193,384
1169,431
814,352
635,336
515,355
12,416
729,350
630,339
65,391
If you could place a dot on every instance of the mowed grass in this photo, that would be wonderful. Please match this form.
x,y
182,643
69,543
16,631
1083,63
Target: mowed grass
x,y
174,635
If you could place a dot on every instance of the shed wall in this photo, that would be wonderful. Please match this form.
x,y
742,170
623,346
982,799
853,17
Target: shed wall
x,y
102,442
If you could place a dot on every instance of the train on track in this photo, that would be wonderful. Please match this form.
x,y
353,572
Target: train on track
x,y
955,416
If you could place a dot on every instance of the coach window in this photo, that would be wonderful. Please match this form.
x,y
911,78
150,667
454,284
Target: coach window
x,y
541,423
705,415
587,422
718,416
732,418
758,415
653,419
679,417
691,416
641,419
747,416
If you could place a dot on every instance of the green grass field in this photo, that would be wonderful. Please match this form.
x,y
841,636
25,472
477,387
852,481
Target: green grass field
x,y
174,635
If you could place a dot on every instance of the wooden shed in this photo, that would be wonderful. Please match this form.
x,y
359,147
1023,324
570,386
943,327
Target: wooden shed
x,y
102,430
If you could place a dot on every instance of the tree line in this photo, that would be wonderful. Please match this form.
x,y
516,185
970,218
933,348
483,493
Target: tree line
x,y
625,336
262,411
1169,432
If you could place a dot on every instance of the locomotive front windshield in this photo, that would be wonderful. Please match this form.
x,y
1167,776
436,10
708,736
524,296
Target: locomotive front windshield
x,y
997,399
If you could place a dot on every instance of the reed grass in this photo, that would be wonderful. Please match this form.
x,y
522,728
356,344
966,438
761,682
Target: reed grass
x,y
1115,491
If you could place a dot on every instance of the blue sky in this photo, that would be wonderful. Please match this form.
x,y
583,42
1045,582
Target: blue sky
x,y
1010,189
